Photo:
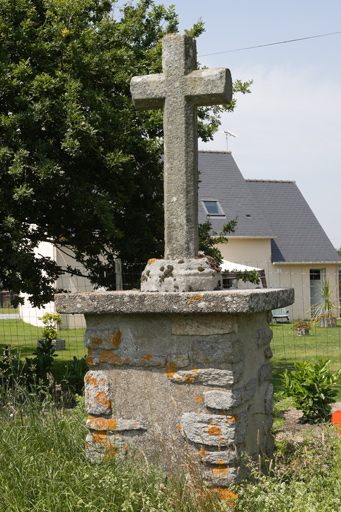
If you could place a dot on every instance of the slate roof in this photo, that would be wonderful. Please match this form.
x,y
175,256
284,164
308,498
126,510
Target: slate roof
x,y
277,210
221,180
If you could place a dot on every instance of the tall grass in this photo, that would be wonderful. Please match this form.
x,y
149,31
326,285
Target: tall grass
x,y
43,468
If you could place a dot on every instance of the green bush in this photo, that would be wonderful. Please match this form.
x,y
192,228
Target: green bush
x,y
74,375
313,388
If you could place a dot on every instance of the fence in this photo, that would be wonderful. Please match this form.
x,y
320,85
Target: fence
x,y
22,331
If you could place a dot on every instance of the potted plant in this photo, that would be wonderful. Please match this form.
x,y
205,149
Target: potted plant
x,y
51,322
325,311
301,327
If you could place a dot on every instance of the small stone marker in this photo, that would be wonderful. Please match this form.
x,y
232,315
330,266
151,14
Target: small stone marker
x,y
179,90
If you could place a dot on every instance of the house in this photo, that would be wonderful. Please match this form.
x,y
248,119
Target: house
x,y
276,231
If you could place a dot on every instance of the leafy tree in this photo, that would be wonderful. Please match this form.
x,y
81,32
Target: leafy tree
x,y
79,166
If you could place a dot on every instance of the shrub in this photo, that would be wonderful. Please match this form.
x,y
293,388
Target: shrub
x,y
312,387
74,374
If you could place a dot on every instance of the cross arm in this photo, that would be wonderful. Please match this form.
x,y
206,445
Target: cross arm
x,y
148,92
206,87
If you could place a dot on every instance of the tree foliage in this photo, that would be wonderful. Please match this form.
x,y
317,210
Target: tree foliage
x,y
79,166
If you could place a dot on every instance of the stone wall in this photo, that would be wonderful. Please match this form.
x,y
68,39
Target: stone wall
x,y
179,377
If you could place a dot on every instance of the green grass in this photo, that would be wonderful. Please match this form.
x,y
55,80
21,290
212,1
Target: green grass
x,y
288,348
6,311
44,469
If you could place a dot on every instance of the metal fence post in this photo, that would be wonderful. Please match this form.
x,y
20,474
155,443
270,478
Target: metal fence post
x,y
118,274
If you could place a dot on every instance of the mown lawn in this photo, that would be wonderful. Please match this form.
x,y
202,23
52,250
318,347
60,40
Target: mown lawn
x,y
23,337
288,348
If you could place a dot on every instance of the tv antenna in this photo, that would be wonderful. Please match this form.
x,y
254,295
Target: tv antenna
x,y
229,134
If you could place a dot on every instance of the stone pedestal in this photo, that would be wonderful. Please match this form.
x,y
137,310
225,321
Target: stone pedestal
x,y
179,369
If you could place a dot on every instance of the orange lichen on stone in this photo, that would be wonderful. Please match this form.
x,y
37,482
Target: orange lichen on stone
x,y
189,379
111,424
179,427
206,360
198,399
178,378
99,423
127,360
233,418
96,341
108,357
159,363
102,398
220,461
116,338
91,380
151,260
113,451
195,370
219,472
170,370
224,494
148,357
202,452
126,447
91,418
99,437
196,298
214,431
88,359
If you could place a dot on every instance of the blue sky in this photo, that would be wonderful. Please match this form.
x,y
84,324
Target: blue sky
x,y
289,127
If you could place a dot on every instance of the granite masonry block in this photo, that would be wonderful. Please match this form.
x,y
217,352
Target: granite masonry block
x,y
226,400
214,430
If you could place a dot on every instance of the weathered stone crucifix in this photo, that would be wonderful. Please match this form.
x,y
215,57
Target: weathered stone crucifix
x,y
179,90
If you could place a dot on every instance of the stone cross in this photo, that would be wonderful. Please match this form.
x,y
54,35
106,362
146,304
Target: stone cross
x,y
179,90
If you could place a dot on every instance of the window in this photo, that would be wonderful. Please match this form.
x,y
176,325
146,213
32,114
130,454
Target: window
x,y
213,208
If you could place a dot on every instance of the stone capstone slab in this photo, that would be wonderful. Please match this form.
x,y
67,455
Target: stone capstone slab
x,y
181,275
214,430
128,302
226,400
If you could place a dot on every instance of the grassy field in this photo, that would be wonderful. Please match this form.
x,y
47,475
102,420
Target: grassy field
x,y
44,468
23,337
288,348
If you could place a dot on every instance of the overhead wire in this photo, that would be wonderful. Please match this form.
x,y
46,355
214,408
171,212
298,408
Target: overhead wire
x,y
271,44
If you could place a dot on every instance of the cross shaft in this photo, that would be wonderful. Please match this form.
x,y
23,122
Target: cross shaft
x,y
179,90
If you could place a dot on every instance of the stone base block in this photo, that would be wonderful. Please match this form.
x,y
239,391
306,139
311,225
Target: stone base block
x,y
179,373
181,275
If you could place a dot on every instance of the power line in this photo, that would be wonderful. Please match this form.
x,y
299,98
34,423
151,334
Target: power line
x,y
271,44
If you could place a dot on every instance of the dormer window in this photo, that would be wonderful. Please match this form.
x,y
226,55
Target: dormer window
x,y
213,208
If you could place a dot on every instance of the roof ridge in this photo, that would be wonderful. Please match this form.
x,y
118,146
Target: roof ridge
x,y
214,151
271,181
